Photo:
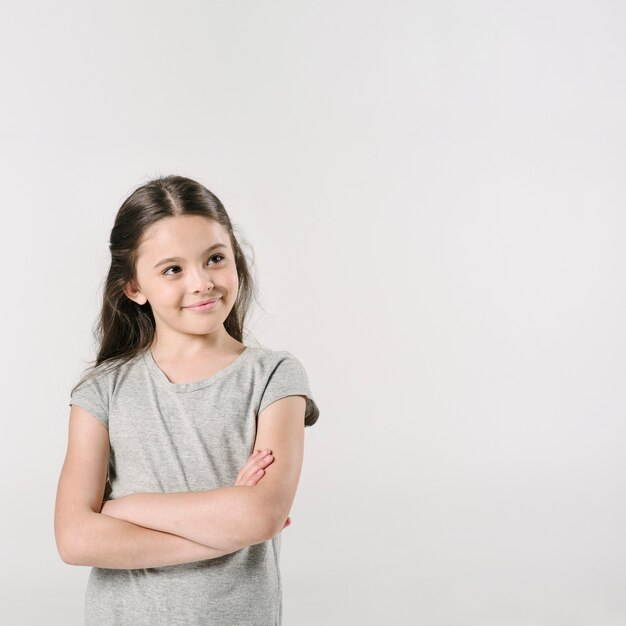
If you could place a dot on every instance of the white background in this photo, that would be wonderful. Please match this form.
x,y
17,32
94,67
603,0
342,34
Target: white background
x,y
434,193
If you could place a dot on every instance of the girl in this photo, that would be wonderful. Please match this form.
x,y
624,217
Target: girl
x,y
185,445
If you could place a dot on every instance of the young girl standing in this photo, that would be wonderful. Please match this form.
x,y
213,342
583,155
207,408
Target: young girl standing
x,y
185,445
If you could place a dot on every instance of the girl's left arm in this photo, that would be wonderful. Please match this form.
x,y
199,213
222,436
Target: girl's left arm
x,y
237,516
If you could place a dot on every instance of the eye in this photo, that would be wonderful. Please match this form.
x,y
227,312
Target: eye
x,y
215,256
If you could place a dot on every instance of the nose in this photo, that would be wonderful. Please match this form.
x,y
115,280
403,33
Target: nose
x,y
201,280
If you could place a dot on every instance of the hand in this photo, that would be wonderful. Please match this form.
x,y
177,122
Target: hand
x,y
254,469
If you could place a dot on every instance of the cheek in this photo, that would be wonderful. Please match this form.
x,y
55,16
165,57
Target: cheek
x,y
169,295
232,280
234,286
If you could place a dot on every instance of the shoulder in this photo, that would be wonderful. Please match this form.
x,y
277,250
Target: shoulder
x,y
283,374
107,373
271,358
277,364
97,384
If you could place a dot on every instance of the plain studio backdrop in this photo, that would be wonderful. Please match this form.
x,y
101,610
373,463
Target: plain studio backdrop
x,y
434,195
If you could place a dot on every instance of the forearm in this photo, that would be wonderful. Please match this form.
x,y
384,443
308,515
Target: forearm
x,y
227,518
105,541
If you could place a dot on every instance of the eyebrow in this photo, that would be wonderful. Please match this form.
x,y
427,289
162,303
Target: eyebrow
x,y
177,258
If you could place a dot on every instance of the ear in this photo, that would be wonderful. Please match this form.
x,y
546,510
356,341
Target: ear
x,y
134,293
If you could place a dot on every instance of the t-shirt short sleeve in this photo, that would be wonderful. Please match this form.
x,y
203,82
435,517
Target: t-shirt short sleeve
x,y
289,378
92,397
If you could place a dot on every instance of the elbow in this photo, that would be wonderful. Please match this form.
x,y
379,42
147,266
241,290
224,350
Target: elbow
x,y
273,521
267,516
66,547
70,543
260,529
66,558
265,526
63,538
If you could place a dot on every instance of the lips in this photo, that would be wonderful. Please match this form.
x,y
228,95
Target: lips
x,y
201,303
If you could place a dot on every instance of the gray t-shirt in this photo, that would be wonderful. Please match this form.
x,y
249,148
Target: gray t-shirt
x,y
168,437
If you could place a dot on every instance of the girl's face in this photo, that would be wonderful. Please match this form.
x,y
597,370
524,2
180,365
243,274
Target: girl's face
x,y
182,261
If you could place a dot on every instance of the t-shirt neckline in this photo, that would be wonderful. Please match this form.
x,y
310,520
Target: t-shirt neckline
x,y
163,381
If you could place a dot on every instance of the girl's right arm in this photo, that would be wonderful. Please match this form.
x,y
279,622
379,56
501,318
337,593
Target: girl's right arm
x,y
83,535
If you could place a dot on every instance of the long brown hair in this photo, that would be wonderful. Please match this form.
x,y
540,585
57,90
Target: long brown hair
x,y
124,328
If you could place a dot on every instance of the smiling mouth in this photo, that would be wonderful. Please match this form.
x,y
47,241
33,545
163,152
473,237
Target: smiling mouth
x,y
206,306
203,302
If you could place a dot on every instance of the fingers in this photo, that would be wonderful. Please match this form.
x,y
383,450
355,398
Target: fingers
x,y
257,469
254,469
262,459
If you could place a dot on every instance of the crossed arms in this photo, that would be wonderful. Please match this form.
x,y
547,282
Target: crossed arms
x,y
155,529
